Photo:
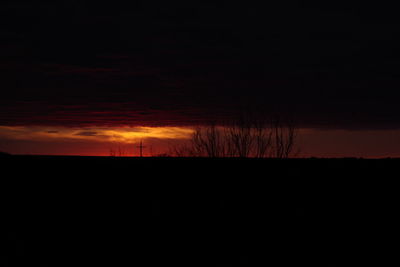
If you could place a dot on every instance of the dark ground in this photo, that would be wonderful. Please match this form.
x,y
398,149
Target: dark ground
x,y
83,211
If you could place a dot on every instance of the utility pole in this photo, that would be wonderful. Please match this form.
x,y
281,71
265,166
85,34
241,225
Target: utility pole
x,y
141,148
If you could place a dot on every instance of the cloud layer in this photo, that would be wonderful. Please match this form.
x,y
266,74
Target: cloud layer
x,y
74,63
124,135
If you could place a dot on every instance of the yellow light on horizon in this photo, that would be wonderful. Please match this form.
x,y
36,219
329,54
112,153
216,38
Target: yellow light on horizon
x,y
127,135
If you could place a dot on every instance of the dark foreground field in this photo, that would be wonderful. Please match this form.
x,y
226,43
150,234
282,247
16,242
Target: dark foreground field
x,y
82,211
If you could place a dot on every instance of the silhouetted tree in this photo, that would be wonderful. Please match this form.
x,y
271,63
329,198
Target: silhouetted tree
x,y
120,152
182,150
206,141
240,137
210,142
284,134
245,137
262,138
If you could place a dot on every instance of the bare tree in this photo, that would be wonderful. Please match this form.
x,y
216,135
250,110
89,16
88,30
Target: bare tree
x,y
120,152
262,139
245,137
240,136
284,134
182,150
206,142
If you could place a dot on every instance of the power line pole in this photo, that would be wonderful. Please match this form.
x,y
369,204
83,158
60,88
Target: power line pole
x,y
141,148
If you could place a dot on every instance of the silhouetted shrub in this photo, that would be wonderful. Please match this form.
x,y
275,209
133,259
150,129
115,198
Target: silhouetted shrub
x,y
242,137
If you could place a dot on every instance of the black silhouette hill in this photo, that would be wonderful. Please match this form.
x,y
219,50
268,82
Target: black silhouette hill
x,y
81,211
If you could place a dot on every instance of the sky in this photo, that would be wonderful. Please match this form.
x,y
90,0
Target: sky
x,y
73,72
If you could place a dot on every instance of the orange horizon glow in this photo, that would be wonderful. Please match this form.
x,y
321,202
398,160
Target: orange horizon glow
x,y
101,141
90,141
127,135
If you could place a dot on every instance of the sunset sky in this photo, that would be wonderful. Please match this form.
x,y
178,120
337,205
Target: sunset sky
x,y
84,78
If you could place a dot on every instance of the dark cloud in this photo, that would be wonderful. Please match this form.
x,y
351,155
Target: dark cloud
x,y
87,133
158,63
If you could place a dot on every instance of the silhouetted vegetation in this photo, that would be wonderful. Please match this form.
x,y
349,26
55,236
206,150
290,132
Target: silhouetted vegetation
x,y
243,137
119,152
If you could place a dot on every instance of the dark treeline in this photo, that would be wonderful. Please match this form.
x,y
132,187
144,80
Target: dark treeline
x,y
249,135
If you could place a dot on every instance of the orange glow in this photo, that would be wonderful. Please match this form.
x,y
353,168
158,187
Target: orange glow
x,y
93,141
100,141
125,135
